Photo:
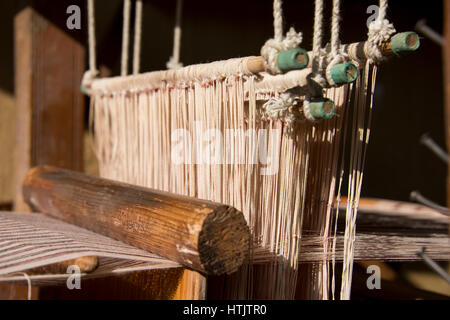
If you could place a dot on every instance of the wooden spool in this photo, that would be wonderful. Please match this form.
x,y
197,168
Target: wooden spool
x,y
207,237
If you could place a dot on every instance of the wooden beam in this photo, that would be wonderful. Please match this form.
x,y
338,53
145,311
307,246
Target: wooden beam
x,y
7,131
406,42
49,65
446,56
205,236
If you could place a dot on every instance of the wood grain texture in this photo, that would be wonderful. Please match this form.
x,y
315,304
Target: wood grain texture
x,y
49,126
191,286
7,132
207,237
49,65
142,285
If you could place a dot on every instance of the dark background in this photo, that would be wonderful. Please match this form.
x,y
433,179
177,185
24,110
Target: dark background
x,y
409,94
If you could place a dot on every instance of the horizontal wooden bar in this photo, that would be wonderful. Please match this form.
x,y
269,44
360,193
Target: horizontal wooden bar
x,y
208,237
355,50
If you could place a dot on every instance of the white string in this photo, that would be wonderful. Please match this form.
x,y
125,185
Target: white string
x,y
92,73
317,62
335,57
380,30
383,9
277,20
174,61
317,36
277,107
91,32
137,37
316,82
335,27
125,37
279,43
29,287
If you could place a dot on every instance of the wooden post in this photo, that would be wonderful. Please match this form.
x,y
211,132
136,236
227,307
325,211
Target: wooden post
x,y
202,235
446,58
49,65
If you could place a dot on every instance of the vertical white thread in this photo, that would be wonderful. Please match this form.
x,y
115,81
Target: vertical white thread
x,y
125,37
29,287
317,81
335,28
317,38
278,20
335,56
91,35
174,61
137,37
380,31
383,9
279,42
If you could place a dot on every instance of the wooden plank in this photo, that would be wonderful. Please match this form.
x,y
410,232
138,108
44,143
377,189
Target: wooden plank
x,y
191,286
49,66
205,236
7,131
446,59
143,285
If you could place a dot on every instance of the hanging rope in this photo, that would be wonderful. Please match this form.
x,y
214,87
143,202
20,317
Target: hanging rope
x,y
92,73
174,61
318,56
125,37
380,30
278,21
316,82
137,37
335,27
279,43
91,33
278,107
335,56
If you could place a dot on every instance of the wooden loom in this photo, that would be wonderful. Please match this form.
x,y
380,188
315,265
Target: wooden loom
x,y
254,64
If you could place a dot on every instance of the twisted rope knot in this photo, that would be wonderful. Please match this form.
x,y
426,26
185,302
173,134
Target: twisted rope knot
x,y
272,47
380,31
88,77
279,109
335,60
307,109
318,79
172,64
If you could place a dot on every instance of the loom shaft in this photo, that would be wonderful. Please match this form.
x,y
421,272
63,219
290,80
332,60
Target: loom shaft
x,y
201,235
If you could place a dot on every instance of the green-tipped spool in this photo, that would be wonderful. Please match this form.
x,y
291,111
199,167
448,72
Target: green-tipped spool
x,y
83,90
322,108
405,42
293,59
344,73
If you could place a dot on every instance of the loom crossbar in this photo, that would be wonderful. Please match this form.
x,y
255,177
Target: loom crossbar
x,y
205,236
